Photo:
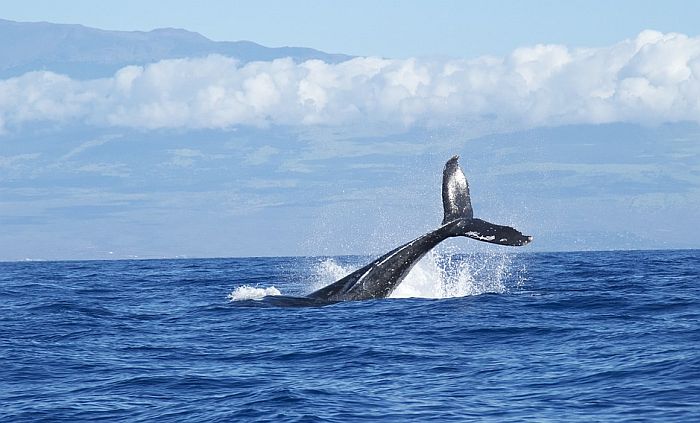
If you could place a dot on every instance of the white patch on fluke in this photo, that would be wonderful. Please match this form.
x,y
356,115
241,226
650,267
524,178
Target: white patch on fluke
x,y
481,237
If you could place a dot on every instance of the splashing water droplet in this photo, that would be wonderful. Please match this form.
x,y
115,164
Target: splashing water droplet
x,y
447,276
328,271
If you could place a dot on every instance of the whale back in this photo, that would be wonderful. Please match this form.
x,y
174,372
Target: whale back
x,y
455,193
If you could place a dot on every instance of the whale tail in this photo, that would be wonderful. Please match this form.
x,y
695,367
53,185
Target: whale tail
x,y
459,217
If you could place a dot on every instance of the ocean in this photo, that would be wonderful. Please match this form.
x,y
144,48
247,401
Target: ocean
x,y
491,336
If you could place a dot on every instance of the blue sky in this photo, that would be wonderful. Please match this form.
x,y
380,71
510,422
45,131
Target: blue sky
x,y
577,122
396,28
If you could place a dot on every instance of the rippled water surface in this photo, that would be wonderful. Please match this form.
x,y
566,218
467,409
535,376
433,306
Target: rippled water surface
x,y
590,336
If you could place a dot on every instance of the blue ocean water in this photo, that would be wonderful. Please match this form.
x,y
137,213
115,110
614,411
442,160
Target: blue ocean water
x,y
590,336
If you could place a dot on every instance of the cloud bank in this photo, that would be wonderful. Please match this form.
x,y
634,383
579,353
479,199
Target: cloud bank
x,y
652,78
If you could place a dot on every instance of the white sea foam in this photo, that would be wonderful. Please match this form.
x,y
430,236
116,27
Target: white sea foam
x,y
247,292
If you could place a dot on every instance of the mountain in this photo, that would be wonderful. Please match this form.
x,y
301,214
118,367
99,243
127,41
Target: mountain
x,y
84,53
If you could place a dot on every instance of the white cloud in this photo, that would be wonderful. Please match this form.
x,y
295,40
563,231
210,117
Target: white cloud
x,y
118,170
88,145
258,183
16,161
261,155
652,78
186,157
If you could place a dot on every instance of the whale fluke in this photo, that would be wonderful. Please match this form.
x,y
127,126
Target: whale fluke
x,y
482,230
379,278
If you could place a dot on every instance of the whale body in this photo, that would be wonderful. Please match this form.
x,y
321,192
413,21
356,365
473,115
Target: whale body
x,y
380,278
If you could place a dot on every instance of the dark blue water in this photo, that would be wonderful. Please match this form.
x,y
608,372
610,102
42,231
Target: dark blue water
x,y
594,336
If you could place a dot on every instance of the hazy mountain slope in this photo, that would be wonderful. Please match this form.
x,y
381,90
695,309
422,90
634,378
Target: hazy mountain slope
x,y
84,52
277,192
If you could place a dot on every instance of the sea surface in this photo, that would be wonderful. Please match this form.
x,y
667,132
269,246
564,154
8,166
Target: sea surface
x,y
501,337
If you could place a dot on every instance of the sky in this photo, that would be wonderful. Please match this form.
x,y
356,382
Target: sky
x,y
389,28
577,122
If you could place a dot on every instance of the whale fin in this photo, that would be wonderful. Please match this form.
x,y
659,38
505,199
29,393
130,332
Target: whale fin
x,y
455,193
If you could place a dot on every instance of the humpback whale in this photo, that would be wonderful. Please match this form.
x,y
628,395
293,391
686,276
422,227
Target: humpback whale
x,y
379,278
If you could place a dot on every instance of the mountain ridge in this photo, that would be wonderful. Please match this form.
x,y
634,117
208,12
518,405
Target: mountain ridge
x,y
84,52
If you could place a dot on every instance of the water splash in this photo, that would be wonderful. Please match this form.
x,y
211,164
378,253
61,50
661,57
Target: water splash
x,y
442,275
328,271
247,292
439,275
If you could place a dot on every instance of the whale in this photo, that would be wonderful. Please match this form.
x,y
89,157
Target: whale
x,y
380,278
